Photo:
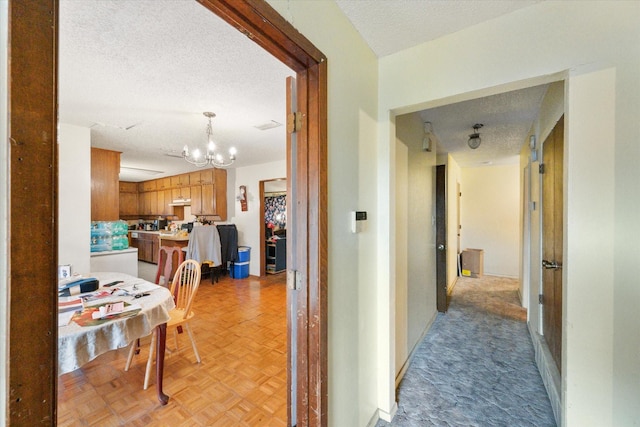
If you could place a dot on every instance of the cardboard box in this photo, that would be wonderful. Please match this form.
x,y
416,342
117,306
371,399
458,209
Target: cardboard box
x,y
473,262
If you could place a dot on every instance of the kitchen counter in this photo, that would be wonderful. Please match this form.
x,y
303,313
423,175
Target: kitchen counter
x,y
123,261
174,237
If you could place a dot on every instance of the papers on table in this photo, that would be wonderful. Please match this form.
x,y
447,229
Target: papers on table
x,y
89,303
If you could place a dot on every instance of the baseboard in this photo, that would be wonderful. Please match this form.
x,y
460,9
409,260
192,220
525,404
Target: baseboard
x,y
549,373
407,362
383,415
521,298
453,285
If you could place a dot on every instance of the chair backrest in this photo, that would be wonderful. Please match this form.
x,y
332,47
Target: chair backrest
x,y
185,285
169,258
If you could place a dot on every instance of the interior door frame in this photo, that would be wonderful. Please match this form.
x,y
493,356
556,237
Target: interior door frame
x,y
442,303
262,227
33,57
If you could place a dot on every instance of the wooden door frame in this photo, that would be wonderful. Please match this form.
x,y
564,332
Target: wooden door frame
x,y
33,56
441,238
263,229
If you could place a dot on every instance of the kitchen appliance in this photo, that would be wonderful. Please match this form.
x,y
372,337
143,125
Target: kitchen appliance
x,y
159,224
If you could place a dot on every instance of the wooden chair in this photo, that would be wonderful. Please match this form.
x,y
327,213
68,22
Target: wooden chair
x,y
169,258
184,288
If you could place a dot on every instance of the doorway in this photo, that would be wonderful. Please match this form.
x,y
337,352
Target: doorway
x,y
33,157
552,240
273,222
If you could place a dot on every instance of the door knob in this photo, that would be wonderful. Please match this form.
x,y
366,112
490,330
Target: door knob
x,y
441,247
550,265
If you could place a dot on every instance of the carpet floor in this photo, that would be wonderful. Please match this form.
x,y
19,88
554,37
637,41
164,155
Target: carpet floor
x,y
475,366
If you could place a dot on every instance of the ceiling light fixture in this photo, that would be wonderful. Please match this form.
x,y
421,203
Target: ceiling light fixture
x,y
429,139
474,138
211,157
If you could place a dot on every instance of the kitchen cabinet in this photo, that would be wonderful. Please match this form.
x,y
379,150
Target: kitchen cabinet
x,y
181,193
211,199
128,199
208,194
180,180
163,184
204,176
148,203
105,195
203,201
148,186
147,244
165,197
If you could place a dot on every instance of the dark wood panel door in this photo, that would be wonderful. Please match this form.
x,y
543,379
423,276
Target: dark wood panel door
x,y
441,239
552,236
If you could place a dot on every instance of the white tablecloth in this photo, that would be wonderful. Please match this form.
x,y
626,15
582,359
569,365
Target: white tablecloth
x,y
78,345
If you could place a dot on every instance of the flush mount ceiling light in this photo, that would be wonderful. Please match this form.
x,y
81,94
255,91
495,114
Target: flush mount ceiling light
x,y
474,138
429,139
211,157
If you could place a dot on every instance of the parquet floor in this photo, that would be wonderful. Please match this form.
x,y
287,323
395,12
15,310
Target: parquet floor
x,y
240,328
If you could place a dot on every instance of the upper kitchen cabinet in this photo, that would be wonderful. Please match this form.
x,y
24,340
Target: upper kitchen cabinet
x,y
210,199
105,194
128,199
180,180
145,186
202,177
163,184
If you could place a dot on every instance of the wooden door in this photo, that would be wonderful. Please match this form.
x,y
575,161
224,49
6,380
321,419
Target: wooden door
x,y
552,236
441,239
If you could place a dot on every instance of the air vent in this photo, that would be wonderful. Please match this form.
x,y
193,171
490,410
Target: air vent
x,y
269,125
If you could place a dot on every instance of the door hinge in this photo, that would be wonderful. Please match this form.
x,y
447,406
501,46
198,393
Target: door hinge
x,y
541,168
294,122
540,299
294,280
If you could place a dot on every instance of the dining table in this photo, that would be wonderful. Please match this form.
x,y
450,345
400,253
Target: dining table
x,y
82,338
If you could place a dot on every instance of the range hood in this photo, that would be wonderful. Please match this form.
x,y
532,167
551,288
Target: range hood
x,y
180,202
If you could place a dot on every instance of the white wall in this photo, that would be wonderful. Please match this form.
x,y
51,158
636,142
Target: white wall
x,y
4,213
528,47
490,211
74,197
248,222
415,243
588,255
352,182
402,259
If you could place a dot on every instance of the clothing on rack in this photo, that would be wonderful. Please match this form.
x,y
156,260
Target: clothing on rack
x,y
229,243
204,245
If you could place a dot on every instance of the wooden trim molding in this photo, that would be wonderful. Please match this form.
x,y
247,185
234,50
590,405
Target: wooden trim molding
x,y
261,23
33,340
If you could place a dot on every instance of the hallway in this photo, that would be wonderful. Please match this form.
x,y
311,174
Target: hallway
x,y
475,367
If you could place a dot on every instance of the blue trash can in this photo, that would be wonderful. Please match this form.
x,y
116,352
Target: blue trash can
x,y
240,269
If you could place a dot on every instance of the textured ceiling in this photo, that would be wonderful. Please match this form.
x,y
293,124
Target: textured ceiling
x,y
141,73
507,120
393,25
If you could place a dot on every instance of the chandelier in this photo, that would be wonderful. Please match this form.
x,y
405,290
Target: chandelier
x,y
211,157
